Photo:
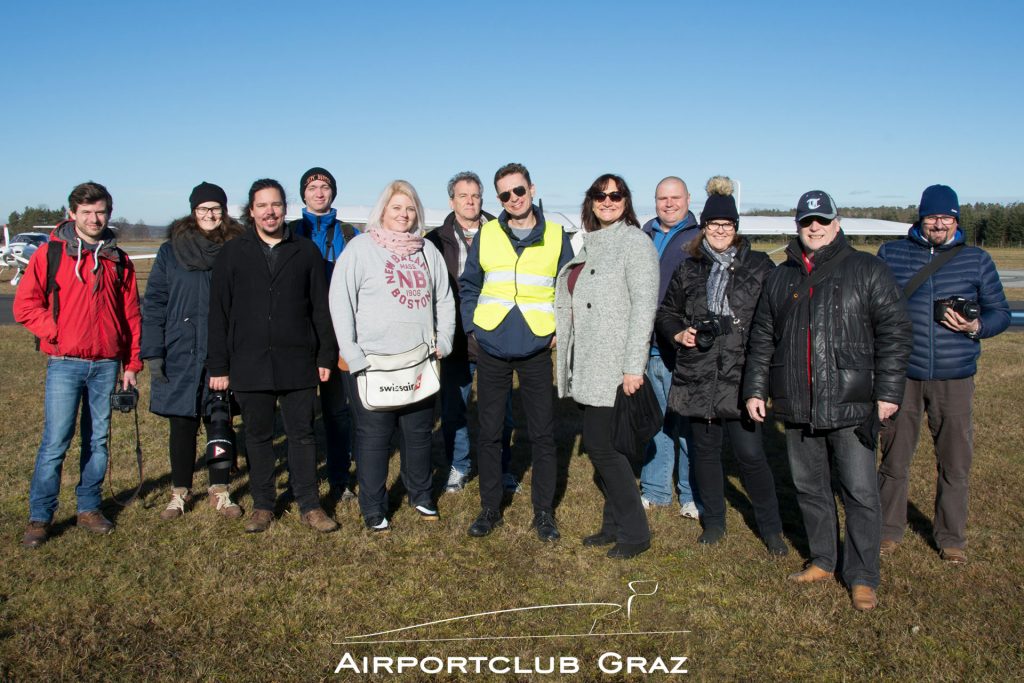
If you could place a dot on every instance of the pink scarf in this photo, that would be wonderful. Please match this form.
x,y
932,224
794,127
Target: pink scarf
x,y
399,243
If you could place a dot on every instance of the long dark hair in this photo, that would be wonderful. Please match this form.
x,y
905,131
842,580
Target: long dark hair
x,y
228,229
261,184
590,222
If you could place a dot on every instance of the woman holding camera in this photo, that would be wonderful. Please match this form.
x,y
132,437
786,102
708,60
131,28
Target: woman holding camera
x,y
707,310
389,295
175,311
605,300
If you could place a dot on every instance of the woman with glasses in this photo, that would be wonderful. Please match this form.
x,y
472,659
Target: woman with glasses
x,y
390,294
175,311
605,300
707,310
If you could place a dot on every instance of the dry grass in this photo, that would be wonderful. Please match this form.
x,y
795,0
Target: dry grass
x,y
198,599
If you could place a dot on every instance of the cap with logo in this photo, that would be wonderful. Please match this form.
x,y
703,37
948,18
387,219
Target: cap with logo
x,y
816,203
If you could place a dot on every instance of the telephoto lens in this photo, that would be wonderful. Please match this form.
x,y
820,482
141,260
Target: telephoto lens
x,y
220,444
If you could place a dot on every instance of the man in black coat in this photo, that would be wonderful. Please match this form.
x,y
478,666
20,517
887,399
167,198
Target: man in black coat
x,y
829,344
270,341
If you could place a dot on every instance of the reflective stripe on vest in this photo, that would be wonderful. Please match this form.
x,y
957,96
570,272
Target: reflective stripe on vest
x,y
526,281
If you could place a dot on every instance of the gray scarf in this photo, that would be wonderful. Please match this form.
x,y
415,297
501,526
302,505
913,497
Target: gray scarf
x,y
718,280
194,251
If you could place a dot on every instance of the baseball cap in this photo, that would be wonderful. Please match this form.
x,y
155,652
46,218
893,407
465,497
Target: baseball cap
x,y
816,203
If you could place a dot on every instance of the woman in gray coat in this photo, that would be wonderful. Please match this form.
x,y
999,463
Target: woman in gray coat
x,y
605,300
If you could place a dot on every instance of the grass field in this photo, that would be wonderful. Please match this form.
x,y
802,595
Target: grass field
x,y
197,599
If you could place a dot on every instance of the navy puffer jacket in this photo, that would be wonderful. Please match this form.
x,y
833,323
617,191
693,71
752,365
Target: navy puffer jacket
x,y
941,353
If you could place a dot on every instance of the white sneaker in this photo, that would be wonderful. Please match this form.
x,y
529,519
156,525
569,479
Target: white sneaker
x,y
648,505
689,510
427,514
456,481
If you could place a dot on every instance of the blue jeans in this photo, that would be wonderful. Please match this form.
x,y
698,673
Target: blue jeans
x,y
68,383
456,384
812,476
337,426
656,475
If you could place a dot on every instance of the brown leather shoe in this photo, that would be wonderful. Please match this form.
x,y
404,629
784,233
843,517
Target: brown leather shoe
x,y
812,574
953,555
317,519
863,598
95,522
259,521
36,534
888,547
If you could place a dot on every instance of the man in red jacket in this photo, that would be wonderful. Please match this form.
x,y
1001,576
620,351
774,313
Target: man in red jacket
x,y
89,325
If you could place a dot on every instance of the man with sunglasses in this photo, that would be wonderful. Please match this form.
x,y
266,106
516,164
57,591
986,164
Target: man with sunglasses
x,y
829,344
958,302
508,309
671,231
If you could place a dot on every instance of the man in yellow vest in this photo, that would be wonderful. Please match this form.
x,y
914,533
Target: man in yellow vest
x,y
508,308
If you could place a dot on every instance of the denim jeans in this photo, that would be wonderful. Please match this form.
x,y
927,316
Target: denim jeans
x,y
456,384
812,476
337,426
68,383
656,475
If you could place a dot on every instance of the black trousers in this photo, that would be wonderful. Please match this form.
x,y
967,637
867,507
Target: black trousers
x,y
297,412
623,515
182,447
493,383
415,424
747,446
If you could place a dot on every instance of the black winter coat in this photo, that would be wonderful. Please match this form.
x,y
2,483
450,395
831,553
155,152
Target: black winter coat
x,y
706,384
447,242
174,327
860,340
270,332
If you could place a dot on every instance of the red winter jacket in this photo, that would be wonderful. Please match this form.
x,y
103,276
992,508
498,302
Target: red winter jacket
x,y
93,324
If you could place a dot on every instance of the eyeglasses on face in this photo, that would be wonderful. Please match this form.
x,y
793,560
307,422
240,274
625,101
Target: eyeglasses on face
x,y
946,221
811,220
601,196
207,210
721,226
507,195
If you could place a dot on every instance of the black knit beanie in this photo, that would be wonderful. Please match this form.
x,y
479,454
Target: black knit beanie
x,y
317,173
207,192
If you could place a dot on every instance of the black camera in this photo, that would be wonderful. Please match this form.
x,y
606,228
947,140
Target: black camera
x,y
707,329
967,308
124,400
220,443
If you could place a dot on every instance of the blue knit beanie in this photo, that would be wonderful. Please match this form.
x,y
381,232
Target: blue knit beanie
x,y
939,200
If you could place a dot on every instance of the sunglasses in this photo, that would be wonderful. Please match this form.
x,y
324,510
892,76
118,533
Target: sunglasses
x,y
811,220
519,192
614,196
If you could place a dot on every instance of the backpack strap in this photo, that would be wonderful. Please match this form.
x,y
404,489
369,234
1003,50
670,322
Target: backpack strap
x,y
928,270
51,295
813,280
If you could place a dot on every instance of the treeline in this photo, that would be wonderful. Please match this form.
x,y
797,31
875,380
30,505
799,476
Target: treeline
x,y
25,221
994,225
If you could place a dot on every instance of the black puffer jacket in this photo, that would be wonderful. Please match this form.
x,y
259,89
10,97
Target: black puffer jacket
x,y
860,340
706,384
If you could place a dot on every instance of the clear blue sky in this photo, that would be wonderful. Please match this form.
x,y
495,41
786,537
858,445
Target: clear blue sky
x,y
871,101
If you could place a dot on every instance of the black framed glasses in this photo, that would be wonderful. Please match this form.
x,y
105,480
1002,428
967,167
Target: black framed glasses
x,y
614,196
945,221
207,210
721,226
507,195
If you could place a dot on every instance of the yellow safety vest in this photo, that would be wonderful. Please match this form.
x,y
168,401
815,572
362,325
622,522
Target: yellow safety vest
x,y
526,281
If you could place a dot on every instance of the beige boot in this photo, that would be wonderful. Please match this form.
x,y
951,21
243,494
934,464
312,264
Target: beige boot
x,y
181,499
220,500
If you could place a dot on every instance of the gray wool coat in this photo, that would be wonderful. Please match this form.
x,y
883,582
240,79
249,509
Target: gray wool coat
x,y
604,327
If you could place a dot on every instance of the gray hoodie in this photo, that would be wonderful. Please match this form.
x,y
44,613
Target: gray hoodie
x,y
383,304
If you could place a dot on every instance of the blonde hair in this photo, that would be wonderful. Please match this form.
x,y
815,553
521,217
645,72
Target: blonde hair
x,y
397,187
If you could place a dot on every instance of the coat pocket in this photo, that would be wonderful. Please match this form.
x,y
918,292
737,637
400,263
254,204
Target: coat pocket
x,y
855,366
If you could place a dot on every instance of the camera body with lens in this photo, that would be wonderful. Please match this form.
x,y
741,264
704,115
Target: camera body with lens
x,y
220,444
124,400
708,328
968,309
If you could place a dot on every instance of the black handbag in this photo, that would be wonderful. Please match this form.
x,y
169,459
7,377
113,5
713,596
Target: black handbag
x,y
635,421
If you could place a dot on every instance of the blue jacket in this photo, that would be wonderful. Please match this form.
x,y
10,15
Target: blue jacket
x,y
941,353
175,312
513,337
669,260
318,228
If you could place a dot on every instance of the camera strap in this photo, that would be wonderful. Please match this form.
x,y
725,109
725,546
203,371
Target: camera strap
x,y
929,269
138,461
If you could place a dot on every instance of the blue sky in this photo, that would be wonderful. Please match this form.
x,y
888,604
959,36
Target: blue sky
x,y
869,101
